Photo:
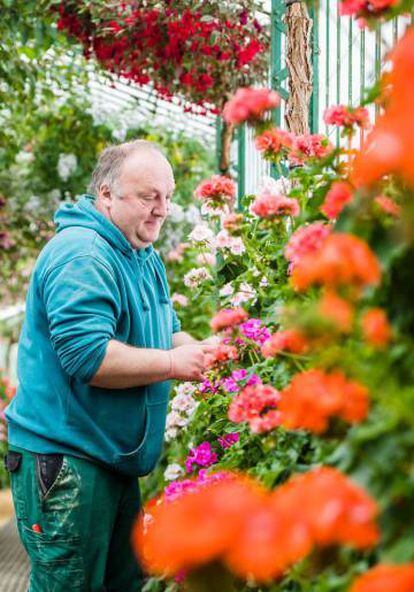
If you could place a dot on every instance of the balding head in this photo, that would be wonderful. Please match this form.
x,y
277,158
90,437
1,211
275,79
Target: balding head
x,y
111,160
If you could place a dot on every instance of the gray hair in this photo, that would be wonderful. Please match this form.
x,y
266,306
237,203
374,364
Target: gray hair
x,y
108,167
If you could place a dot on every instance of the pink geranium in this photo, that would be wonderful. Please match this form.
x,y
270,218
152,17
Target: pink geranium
x,y
228,440
250,104
338,196
201,456
218,188
347,117
309,146
256,405
272,142
305,241
365,7
228,317
274,205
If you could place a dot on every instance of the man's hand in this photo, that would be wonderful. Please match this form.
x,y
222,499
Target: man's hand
x,y
213,340
188,362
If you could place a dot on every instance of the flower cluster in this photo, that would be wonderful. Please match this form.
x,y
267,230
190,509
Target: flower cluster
x,y
200,456
376,328
290,340
347,117
271,206
196,276
197,52
314,397
263,533
228,318
343,259
365,8
250,104
216,190
274,142
306,240
256,405
338,196
182,407
398,578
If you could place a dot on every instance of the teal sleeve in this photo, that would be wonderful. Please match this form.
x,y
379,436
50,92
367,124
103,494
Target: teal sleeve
x,y
176,323
82,307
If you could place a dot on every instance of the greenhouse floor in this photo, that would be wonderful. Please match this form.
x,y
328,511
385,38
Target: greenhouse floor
x,y
14,566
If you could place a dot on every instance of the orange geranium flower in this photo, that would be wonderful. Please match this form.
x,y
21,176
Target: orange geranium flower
x,y
343,259
196,528
314,397
390,147
337,311
384,578
376,327
228,317
271,540
335,510
290,340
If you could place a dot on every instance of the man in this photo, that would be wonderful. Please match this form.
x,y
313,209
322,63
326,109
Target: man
x,y
98,347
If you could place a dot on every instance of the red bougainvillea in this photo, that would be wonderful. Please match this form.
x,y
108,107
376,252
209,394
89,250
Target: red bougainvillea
x,y
195,50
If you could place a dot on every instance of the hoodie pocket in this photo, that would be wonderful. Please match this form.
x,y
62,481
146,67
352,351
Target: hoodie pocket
x,y
143,459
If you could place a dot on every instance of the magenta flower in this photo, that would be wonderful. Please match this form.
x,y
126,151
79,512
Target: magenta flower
x,y
202,456
254,330
228,440
230,385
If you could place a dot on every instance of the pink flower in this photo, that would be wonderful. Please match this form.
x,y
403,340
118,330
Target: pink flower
x,y
365,7
273,141
309,146
178,488
250,104
201,456
338,196
228,317
305,241
228,440
179,299
388,205
272,205
343,116
254,330
258,406
217,188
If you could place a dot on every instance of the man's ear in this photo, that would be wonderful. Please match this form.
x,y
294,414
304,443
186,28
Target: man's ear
x,y
105,195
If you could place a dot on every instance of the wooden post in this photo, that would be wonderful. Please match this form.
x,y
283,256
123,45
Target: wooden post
x,y
299,63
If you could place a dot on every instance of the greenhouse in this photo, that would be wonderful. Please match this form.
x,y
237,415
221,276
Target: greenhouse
x,y
206,344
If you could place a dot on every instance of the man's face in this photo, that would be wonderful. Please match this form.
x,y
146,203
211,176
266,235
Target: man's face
x,y
140,201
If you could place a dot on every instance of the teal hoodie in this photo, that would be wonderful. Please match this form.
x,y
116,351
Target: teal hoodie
x,y
89,286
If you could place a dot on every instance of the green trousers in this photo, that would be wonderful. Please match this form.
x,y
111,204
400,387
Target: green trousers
x,y
74,519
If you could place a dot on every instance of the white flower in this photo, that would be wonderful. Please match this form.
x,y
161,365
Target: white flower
x,y
206,259
171,433
24,157
201,233
193,215
264,282
223,239
269,185
208,209
184,404
174,419
173,471
196,276
227,290
246,293
185,388
67,165
176,213
179,299
236,245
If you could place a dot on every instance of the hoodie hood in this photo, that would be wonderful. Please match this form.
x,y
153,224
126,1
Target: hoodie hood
x,y
84,214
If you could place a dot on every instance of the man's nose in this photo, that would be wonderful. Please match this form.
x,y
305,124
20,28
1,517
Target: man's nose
x,y
162,208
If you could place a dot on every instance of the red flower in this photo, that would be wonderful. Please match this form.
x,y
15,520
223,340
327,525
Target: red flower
x,y
250,104
290,340
376,327
228,317
273,205
343,259
314,397
258,406
338,196
381,578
